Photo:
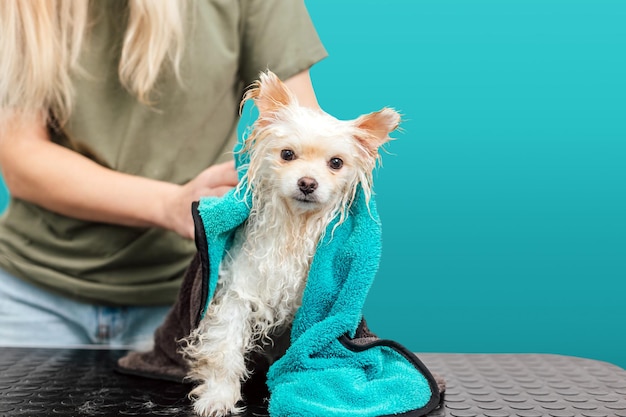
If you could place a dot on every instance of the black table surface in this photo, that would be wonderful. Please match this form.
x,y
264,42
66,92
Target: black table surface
x,y
82,382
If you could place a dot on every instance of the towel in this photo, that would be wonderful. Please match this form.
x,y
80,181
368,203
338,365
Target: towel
x,y
323,372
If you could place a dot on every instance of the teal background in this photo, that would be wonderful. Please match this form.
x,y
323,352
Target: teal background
x,y
4,195
503,199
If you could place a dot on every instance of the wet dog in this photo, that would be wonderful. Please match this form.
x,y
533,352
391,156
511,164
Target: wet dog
x,y
304,171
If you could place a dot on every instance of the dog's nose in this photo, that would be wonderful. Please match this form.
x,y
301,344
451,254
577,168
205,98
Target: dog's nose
x,y
307,185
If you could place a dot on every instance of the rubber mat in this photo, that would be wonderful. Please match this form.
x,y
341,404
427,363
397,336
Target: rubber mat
x,y
51,382
529,386
59,382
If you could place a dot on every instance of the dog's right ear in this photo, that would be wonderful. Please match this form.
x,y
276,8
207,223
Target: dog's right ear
x,y
373,129
269,94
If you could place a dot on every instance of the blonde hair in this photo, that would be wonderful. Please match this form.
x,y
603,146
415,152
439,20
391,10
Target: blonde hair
x,y
41,43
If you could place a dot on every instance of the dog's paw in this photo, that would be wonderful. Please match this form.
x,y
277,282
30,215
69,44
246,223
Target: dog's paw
x,y
211,408
216,401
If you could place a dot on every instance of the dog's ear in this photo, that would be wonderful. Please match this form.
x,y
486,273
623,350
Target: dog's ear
x,y
269,93
373,129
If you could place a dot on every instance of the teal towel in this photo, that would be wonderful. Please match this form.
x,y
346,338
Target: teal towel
x,y
324,373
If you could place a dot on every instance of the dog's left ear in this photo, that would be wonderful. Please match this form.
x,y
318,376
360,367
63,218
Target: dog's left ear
x,y
269,93
373,129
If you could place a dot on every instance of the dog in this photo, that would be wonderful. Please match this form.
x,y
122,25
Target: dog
x,y
304,171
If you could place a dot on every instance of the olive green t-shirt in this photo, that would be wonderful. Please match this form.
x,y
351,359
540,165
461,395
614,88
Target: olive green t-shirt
x,y
188,128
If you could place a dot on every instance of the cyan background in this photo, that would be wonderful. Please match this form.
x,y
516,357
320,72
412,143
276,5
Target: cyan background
x,y
503,199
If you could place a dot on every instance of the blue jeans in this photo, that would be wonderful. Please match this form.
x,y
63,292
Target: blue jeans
x,y
32,316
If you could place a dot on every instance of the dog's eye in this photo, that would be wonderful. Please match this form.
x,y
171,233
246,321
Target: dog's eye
x,y
335,163
287,155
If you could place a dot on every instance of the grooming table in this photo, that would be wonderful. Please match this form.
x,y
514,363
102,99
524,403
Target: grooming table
x,y
81,382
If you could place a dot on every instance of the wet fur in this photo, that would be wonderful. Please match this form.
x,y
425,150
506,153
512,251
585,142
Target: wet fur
x,y
263,276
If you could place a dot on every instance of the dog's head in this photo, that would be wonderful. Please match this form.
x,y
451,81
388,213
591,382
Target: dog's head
x,y
307,158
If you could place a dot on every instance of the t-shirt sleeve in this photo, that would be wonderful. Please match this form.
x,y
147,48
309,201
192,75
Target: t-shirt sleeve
x,y
277,35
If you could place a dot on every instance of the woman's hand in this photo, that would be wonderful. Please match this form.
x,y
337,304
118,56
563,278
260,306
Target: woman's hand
x,y
213,181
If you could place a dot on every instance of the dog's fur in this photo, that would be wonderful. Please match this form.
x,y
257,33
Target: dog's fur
x,y
304,169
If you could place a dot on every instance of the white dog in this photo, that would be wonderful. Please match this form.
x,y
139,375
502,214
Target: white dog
x,y
304,169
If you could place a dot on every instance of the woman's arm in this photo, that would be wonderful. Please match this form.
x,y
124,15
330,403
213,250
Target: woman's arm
x,y
301,85
40,171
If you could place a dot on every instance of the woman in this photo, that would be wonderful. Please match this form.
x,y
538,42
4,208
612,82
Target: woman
x,y
114,117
